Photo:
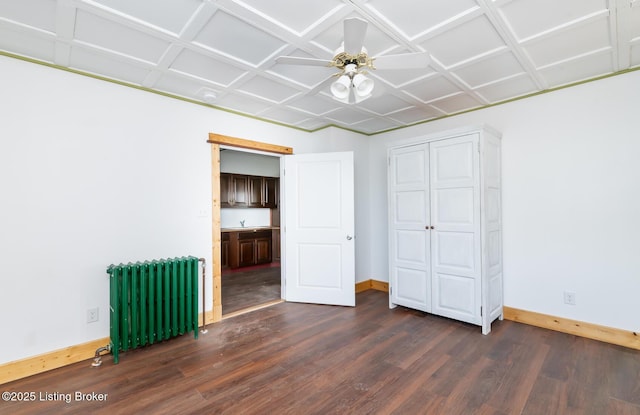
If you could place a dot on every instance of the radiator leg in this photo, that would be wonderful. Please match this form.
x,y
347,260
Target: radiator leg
x,y
97,360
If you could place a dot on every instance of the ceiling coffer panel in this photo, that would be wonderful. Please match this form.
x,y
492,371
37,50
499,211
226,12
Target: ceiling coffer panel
x,y
365,65
237,39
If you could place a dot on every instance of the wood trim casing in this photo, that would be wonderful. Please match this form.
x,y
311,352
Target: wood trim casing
x,y
605,334
216,140
216,243
250,144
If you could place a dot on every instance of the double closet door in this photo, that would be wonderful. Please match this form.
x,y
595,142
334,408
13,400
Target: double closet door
x,y
444,227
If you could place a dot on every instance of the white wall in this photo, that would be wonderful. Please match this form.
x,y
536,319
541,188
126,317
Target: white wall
x,y
94,173
571,199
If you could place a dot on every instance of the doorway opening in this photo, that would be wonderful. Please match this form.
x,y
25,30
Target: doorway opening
x,y
250,230
221,142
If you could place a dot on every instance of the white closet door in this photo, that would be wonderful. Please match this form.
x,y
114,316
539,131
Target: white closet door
x,y
409,219
455,239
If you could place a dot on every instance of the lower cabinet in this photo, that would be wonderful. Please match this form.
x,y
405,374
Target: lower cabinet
x,y
252,247
224,250
275,244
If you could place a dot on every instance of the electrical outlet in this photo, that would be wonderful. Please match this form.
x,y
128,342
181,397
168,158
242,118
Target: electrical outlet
x,y
569,298
92,315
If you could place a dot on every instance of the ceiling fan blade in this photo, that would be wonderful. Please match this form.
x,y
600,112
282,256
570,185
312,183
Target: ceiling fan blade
x,y
354,32
293,60
402,61
322,85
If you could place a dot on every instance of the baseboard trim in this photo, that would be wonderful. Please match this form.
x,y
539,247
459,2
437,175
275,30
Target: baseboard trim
x,y
37,364
372,285
605,334
29,366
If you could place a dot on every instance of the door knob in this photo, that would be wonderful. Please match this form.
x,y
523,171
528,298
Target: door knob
x,y
349,237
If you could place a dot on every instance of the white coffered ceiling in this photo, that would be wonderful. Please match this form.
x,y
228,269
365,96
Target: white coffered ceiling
x,y
483,52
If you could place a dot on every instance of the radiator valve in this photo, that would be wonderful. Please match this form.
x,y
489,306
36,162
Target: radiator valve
x,y
97,360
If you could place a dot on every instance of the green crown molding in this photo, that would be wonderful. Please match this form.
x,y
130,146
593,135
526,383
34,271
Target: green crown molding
x,y
192,101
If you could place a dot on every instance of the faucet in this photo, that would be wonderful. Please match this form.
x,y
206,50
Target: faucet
x,y
242,223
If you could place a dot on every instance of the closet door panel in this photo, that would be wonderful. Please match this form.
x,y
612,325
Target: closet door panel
x,y
409,242
410,289
454,252
454,193
455,294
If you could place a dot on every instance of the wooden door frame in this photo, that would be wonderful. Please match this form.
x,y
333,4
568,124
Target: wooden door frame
x,y
216,140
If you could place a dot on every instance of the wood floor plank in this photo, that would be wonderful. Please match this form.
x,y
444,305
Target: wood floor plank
x,y
311,359
247,287
548,396
513,393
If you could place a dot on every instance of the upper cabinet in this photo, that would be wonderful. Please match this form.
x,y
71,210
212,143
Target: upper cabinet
x,y
234,190
241,191
271,192
255,191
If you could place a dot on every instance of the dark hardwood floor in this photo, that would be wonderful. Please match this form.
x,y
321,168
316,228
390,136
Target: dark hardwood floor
x,y
249,287
311,359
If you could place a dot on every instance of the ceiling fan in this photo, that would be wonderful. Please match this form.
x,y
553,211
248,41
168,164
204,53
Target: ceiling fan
x,y
353,61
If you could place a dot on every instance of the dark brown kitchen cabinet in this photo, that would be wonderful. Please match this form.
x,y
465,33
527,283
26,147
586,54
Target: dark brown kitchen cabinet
x,y
271,192
241,191
256,191
234,190
252,247
246,252
263,249
275,244
224,251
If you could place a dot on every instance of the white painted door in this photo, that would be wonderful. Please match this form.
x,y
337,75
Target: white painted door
x,y
455,239
409,240
318,212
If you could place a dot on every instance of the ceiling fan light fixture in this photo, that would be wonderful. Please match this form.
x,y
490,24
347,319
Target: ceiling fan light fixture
x,y
353,61
362,85
340,88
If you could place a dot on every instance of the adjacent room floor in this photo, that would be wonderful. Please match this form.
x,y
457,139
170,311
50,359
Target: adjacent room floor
x,y
248,287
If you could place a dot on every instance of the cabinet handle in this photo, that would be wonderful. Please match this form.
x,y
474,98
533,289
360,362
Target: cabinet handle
x,y
429,227
349,237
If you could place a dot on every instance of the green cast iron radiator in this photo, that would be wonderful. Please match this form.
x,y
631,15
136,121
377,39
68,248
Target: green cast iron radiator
x,y
152,301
